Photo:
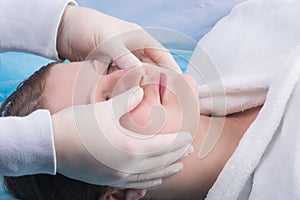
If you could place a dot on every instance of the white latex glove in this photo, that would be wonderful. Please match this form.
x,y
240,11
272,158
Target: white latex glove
x,y
83,30
92,147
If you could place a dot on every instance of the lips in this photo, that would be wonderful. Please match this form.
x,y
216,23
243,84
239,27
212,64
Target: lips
x,y
162,86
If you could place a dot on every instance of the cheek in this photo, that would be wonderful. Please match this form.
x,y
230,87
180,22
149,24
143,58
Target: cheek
x,y
139,117
145,119
58,97
192,83
151,119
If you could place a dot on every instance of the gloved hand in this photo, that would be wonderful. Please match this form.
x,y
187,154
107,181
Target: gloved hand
x,y
83,30
91,146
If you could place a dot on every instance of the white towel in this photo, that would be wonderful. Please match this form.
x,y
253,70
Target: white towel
x,y
255,50
266,163
236,61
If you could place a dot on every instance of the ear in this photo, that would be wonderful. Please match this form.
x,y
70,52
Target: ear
x,y
127,194
134,194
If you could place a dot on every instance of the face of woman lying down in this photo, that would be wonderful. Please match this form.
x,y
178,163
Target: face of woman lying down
x,y
91,81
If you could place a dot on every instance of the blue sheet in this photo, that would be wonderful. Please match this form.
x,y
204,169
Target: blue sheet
x,y
3,194
14,68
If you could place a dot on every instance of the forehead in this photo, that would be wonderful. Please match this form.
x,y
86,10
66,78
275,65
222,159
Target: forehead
x,y
58,88
71,83
63,81
62,71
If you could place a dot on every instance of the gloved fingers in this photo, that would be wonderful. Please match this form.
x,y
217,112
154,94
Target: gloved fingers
x,y
163,160
162,57
128,59
118,52
138,41
140,184
154,52
125,102
159,54
158,144
158,174
149,179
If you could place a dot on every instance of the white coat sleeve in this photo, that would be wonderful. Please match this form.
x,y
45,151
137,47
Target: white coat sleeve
x,y
31,25
27,145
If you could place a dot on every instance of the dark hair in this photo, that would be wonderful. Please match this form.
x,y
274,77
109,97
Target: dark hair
x,y
27,98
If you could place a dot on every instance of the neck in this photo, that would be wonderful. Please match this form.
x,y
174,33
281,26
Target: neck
x,y
200,172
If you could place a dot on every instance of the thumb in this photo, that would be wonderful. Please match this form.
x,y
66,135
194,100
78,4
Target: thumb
x,y
128,59
127,101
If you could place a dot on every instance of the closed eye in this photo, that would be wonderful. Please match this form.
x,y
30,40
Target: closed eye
x,y
109,67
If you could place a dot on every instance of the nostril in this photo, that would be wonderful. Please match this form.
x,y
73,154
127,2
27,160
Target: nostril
x,y
141,81
137,74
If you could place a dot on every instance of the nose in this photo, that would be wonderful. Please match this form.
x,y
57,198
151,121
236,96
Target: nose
x,y
119,81
127,78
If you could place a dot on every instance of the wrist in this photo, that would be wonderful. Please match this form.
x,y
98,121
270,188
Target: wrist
x,y
62,38
57,138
